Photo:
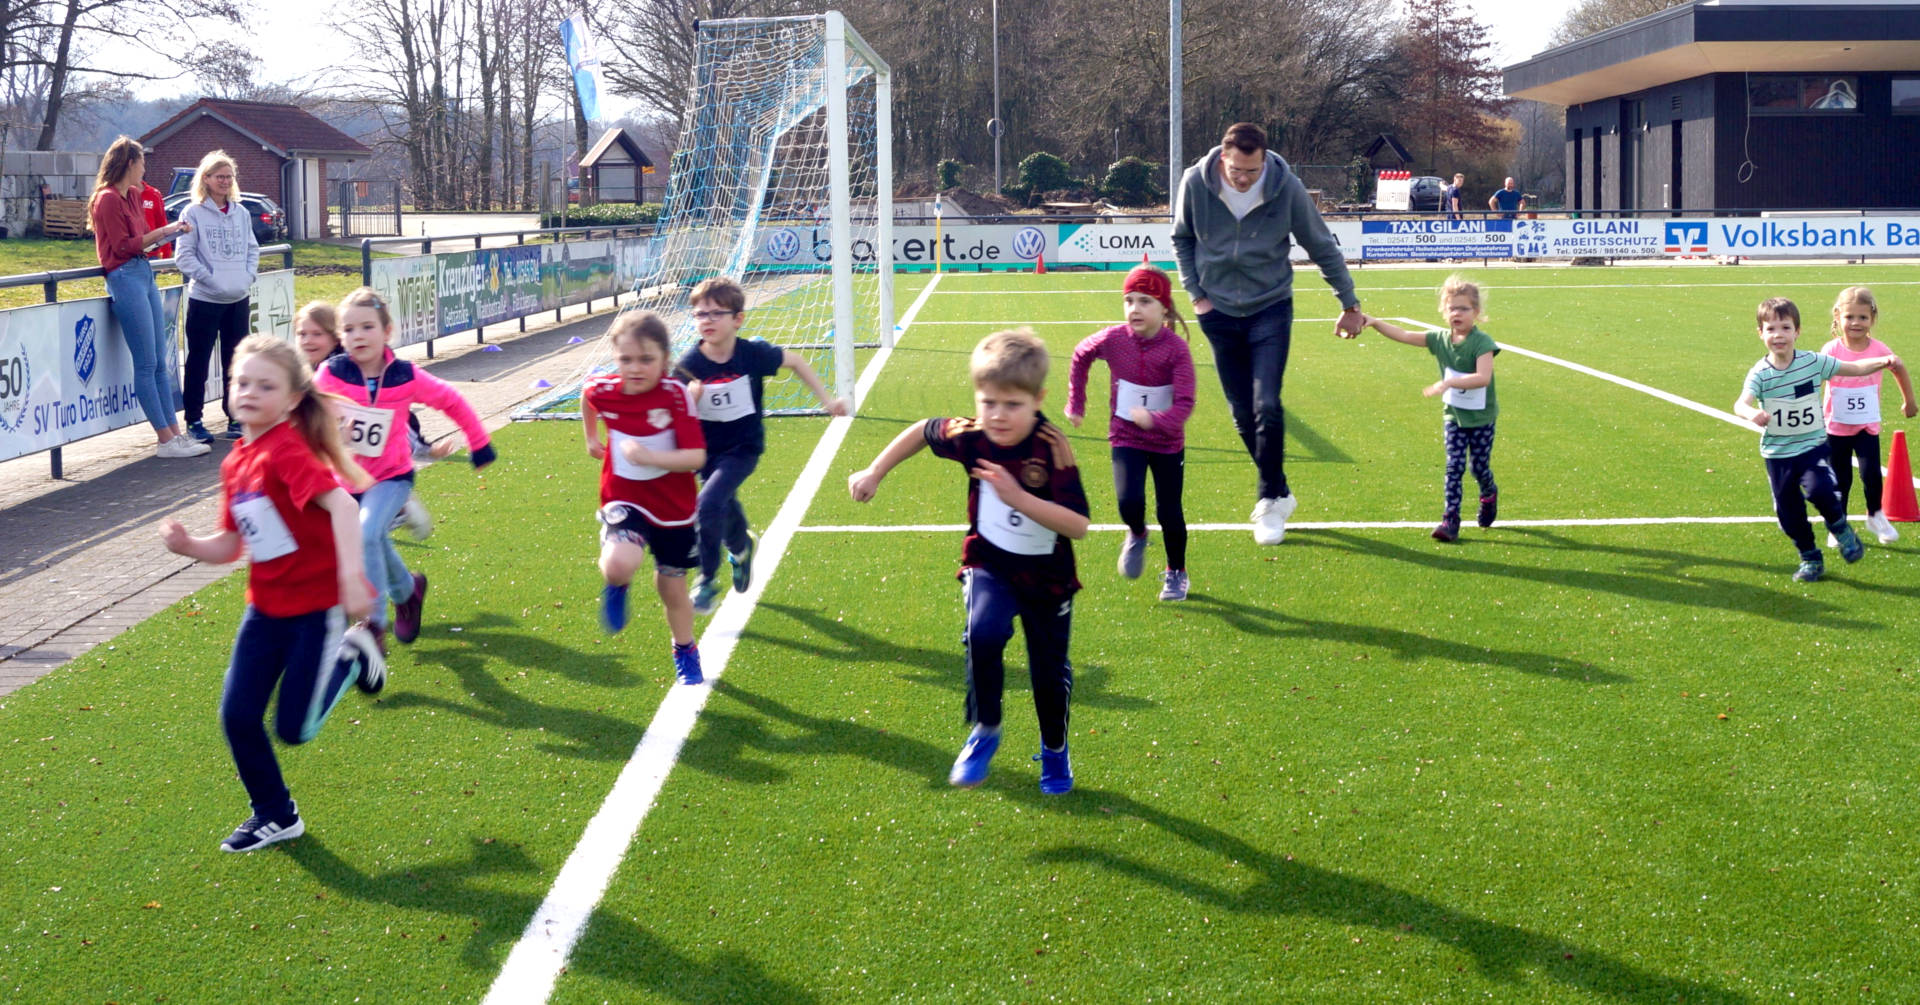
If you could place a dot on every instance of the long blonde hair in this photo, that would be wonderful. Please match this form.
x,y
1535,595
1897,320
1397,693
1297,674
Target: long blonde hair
x,y
1848,297
212,162
311,417
118,159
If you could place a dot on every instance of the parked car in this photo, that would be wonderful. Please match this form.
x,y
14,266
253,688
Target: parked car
x,y
1425,193
269,220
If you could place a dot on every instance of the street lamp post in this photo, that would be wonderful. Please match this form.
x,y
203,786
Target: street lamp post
x,y
996,127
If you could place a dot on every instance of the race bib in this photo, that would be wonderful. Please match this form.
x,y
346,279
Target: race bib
x,y
1792,416
726,402
1470,398
260,526
1128,396
663,440
1009,529
1855,406
365,428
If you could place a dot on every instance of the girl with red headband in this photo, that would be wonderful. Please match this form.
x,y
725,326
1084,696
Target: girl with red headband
x,y
1150,374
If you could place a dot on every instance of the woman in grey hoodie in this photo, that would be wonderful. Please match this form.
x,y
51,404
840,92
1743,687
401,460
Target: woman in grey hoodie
x,y
220,259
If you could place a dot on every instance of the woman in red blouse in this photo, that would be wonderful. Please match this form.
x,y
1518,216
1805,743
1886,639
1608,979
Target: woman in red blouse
x,y
121,238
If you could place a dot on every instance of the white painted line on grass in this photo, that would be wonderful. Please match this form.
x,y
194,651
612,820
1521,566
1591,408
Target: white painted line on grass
x,y
1621,521
536,960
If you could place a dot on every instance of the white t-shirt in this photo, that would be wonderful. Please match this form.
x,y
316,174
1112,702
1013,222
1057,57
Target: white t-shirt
x,y
1242,203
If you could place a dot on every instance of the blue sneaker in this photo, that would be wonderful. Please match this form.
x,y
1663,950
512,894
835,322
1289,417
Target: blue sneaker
x,y
258,832
1811,569
706,595
970,768
234,430
1056,774
743,564
613,608
686,664
1850,547
198,431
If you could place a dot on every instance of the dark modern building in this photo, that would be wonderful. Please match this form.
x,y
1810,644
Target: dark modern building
x,y
1740,105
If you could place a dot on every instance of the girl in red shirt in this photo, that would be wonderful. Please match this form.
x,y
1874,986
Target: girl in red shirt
x,y
283,507
647,492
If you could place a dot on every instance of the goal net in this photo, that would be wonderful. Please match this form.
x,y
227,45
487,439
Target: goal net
x,y
782,180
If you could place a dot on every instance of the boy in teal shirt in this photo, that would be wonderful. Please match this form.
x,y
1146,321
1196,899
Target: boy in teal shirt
x,y
1782,397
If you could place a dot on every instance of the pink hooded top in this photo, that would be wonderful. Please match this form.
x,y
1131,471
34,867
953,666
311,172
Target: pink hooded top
x,y
382,412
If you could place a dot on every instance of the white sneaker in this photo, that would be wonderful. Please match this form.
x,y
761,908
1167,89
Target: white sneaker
x,y
181,446
1270,519
416,519
1882,528
1832,542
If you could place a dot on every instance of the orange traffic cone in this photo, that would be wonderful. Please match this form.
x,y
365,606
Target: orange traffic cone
x,y
1040,264
1896,494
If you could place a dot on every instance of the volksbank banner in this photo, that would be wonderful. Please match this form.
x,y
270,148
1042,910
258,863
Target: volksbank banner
x,y
1102,244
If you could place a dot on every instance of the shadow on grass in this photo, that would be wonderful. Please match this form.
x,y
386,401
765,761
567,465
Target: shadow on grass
x,y
586,734
1277,885
1405,645
941,668
614,948
1661,575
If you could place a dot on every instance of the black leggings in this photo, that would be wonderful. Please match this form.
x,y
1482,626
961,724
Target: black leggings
x,y
1130,467
1865,446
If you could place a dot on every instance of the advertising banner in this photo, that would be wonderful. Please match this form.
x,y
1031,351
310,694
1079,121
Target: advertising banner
x,y
1436,238
65,373
486,286
269,312
576,272
407,285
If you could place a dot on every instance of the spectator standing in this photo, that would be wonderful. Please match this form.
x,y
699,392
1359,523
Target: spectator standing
x,y
220,258
1450,197
1507,200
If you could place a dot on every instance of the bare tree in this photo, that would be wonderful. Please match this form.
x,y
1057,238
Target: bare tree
x,y
1590,17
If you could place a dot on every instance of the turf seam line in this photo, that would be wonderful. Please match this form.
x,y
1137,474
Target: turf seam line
x,y
534,964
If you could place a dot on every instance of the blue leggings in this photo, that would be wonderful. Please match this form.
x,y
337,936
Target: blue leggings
x,y
388,574
721,518
1477,441
301,655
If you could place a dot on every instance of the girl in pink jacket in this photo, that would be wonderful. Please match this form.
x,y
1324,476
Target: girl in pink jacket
x,y
380,389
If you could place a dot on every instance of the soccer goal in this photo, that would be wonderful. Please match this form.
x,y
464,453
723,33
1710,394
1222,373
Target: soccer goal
x,y
782,179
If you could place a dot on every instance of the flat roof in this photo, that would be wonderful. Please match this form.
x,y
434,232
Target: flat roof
x,y
1724,36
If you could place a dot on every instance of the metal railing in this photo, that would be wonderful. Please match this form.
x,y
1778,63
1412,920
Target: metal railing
x,y
49,282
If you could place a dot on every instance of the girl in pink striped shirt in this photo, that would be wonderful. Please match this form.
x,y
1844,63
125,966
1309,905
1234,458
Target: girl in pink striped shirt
x,y
1150,374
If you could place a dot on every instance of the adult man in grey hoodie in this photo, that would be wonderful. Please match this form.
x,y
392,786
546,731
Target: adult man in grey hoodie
x,y
1234,219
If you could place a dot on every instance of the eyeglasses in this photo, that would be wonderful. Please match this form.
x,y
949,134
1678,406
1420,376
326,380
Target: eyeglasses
x,y
712,315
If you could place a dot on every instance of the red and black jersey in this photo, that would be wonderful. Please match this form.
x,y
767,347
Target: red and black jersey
x,y
660,419
1036,562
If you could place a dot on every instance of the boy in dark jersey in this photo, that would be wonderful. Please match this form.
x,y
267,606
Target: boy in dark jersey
x,y
725,373
1024,504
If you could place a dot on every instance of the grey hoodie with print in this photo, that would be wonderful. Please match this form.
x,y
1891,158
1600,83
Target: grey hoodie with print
x,y
219,256
1242,264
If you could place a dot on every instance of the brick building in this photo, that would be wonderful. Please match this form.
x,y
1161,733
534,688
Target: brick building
x,y
280,151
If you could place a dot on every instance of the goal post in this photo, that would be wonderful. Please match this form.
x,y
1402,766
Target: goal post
x,y
782,180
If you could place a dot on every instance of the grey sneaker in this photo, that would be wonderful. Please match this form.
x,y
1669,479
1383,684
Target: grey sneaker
x,y
1173,584
1133,555
706,595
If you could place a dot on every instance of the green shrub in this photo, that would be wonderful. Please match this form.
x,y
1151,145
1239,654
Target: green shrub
x,y
605,214
1043,172
1131,181
951,171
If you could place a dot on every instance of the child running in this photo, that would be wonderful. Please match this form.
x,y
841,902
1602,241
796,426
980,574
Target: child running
x,y
1465,354
1853,406
726,373
1782,397
647,493
1150,373
316,330
1025,507
379,389
281,503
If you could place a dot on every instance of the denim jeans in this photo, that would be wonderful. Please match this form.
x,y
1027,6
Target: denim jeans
x,y
388,574
143,324
1250,354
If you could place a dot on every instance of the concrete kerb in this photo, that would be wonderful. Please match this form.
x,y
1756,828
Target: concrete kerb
x,y
80,561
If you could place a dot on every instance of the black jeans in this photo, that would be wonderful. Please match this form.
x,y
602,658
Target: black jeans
x,y
206,322
1250,354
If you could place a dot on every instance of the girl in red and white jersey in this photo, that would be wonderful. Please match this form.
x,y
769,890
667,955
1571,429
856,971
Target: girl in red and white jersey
x,y
282,506
647,488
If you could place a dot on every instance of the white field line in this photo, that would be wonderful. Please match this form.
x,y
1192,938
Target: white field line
x,y
1675,399
537,958
1292,525
1489,285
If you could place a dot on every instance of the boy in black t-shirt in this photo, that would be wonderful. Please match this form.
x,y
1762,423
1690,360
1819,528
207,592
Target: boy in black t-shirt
x,y
1024,503
725,373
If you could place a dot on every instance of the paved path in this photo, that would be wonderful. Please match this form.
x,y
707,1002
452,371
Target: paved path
x,y
80,561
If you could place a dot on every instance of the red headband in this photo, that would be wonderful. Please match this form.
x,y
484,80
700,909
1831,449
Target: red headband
x,y
1152,282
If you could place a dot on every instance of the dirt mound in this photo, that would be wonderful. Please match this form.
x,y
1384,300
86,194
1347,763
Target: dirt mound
x,y
979,204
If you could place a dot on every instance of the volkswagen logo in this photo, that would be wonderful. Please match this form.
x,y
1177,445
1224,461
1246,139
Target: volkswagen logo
x,y
782,245
1028,242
